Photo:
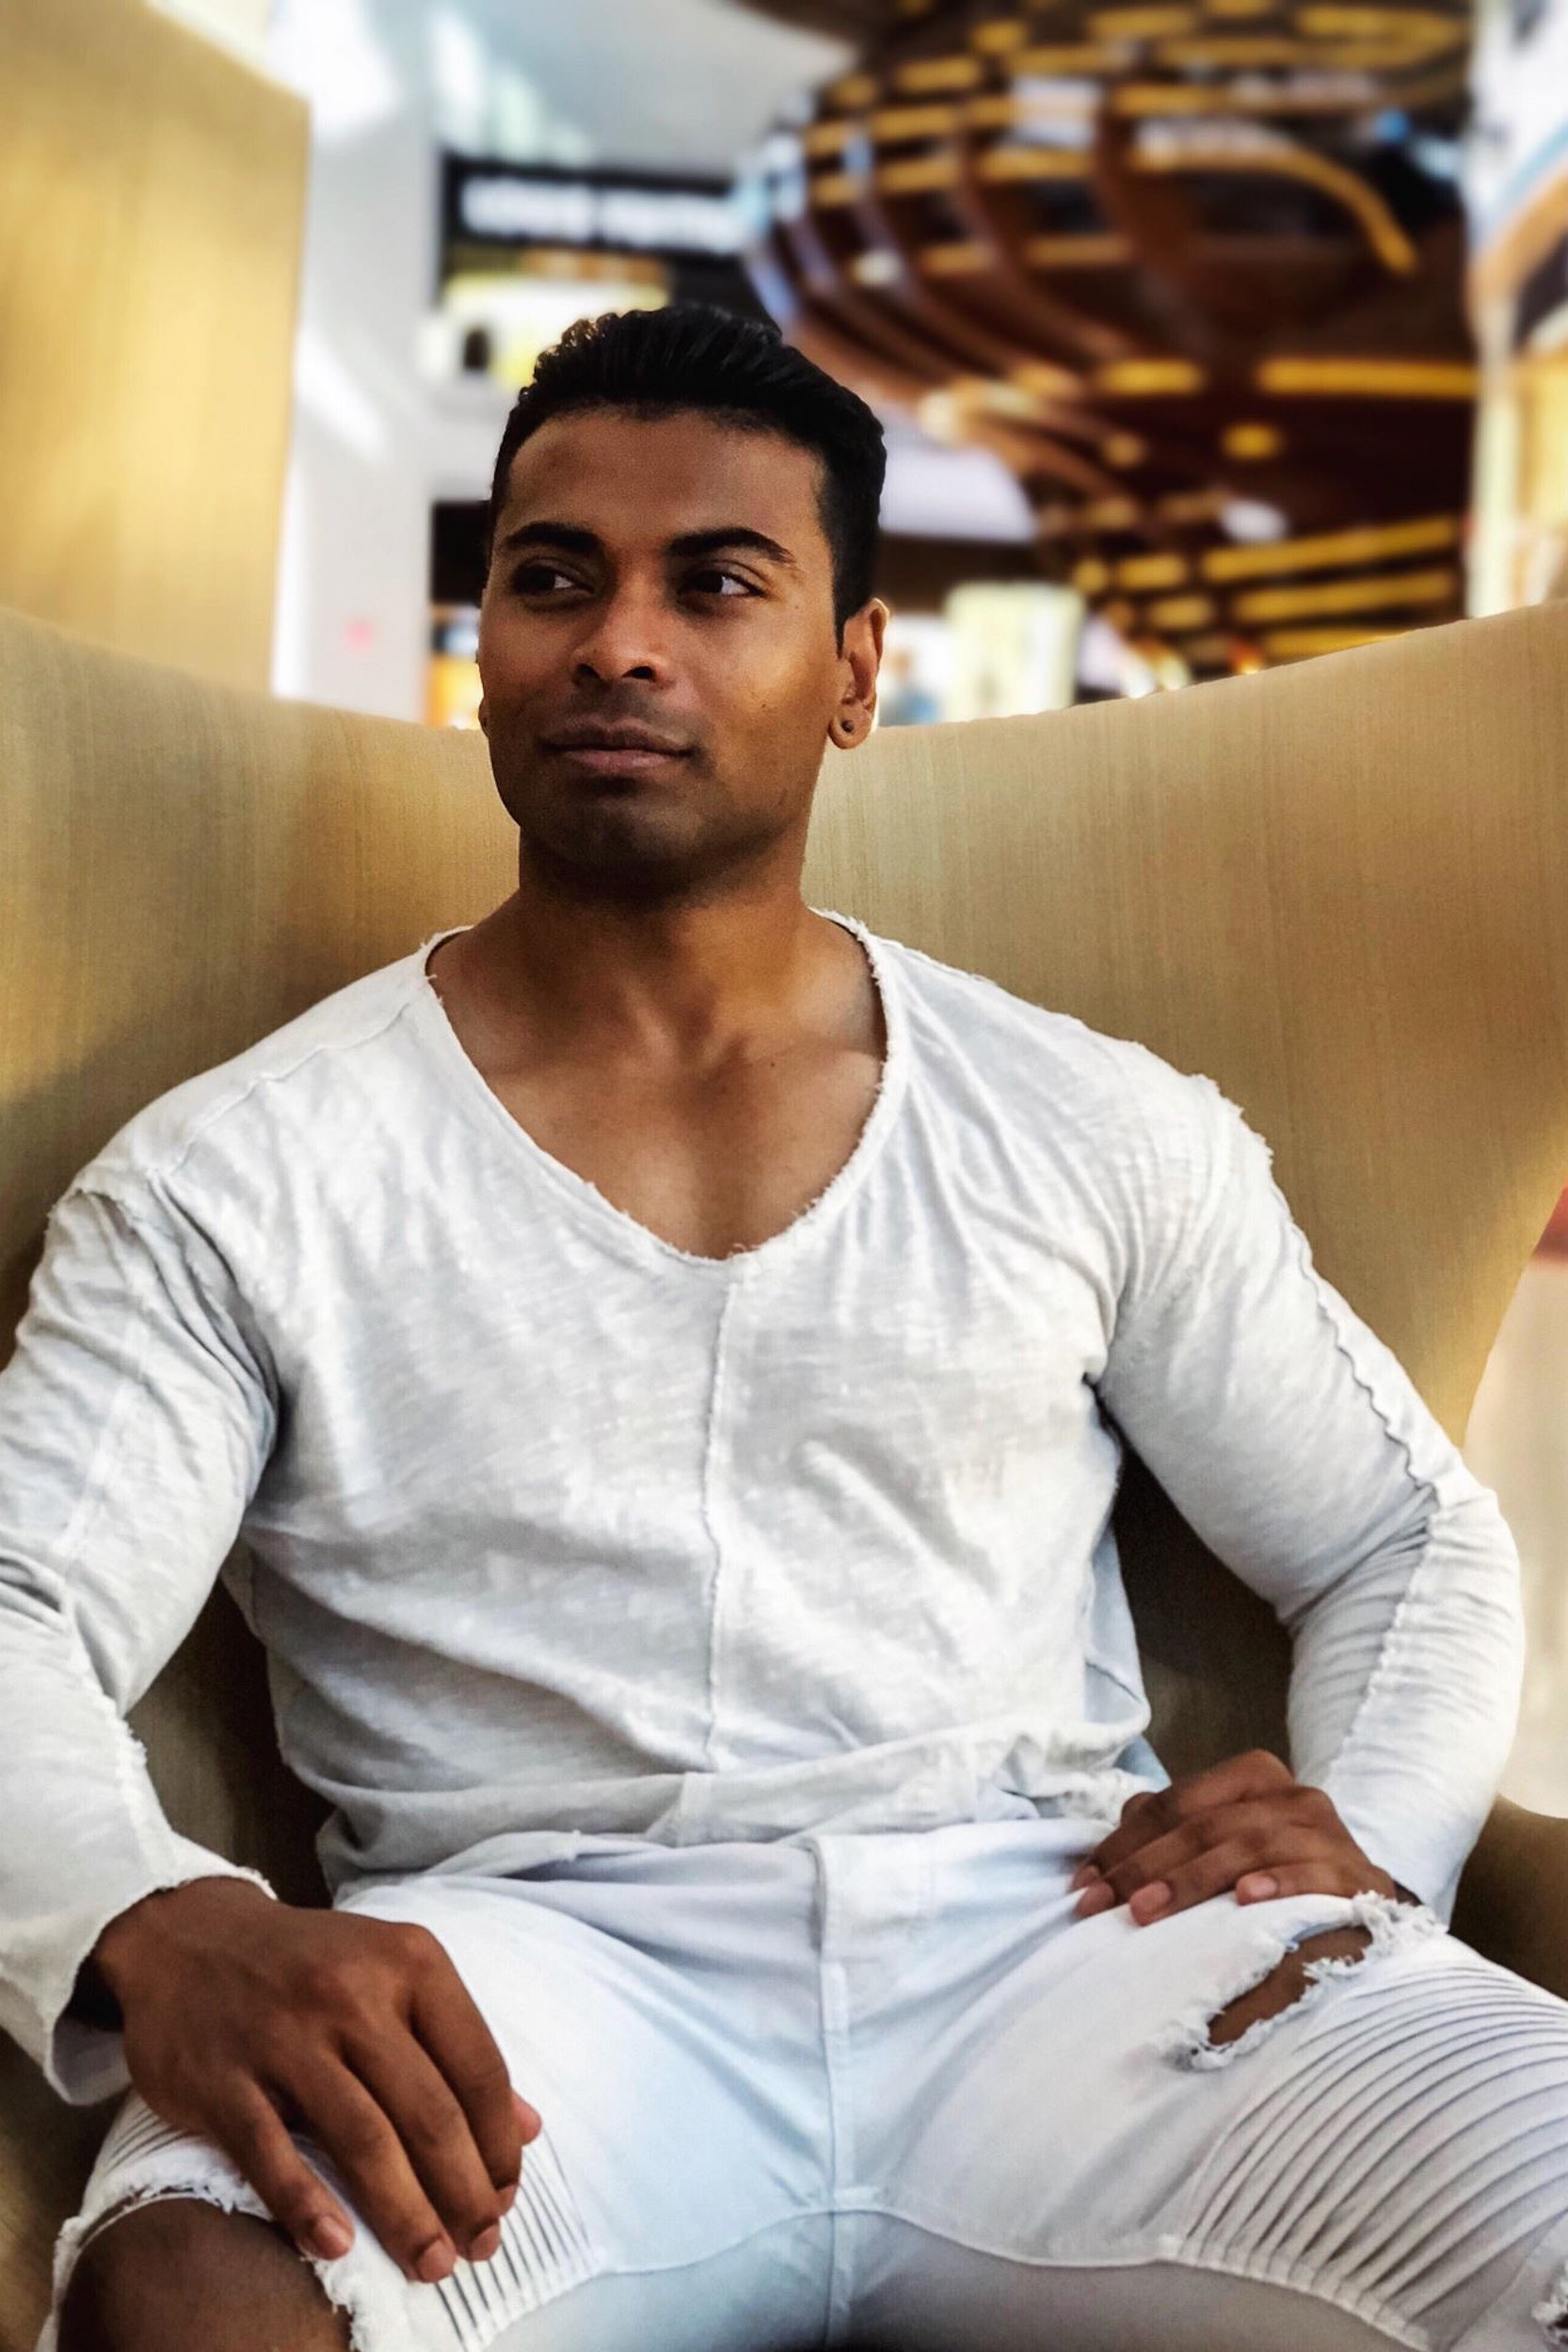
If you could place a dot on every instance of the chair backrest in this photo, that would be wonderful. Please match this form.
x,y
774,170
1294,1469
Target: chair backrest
x,y
1338,889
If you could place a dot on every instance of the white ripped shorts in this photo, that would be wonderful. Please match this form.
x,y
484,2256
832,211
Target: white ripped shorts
x,y
885,2090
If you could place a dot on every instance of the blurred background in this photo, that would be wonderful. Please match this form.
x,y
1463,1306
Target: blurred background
x,y
1208,335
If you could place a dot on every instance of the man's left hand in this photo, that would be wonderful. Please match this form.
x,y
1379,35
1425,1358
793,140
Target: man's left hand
x,y
1246,1826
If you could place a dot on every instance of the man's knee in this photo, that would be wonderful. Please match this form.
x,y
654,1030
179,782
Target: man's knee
x,y
180,2272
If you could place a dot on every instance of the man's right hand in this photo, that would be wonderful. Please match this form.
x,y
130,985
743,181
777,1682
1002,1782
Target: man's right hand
x,y
246,2017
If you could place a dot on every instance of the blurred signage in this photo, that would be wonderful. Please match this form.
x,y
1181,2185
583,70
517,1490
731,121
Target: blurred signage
x,y
526,250
492,203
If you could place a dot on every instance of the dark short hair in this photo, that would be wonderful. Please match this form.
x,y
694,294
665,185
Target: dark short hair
x,y
693,354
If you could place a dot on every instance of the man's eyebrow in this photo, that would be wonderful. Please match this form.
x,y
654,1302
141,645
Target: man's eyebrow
x,y
564,535
569,539
730,535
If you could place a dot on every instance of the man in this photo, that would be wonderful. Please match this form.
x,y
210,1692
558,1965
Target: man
x,y
666,1349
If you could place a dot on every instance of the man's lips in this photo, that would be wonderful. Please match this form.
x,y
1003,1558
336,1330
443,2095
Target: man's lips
x,y
612,750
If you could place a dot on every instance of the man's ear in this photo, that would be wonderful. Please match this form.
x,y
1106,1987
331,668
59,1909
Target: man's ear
x,y
860,659
484,717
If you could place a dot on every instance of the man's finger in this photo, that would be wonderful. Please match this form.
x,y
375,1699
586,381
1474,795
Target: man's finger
x,y
250,2133
1320,1870
1256,1822
448,2022
356,2133
1155,1812
1264,1886
434,2135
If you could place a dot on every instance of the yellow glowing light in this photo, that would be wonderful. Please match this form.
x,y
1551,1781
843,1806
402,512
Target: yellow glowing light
x,y
828,139
1370,379
1073,57
1250,442
957,258
1141,377
835,188
1182,612
1234,53
1418,32
1000,34
1142,572
921,172
1295,645
1437,586
1035,163
1098,249
1141,24
1334,551
913,123
934,74
1051,383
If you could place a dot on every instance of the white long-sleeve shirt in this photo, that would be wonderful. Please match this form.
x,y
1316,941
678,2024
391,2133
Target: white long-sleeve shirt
x,y
555,1530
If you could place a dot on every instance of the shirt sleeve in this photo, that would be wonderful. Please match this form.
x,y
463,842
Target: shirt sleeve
x,y
1297,1448
135,1416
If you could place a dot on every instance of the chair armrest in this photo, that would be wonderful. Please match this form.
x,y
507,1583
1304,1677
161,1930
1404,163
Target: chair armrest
x,y
1514,1897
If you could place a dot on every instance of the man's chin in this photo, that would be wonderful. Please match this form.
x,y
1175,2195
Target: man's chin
x,y
627,855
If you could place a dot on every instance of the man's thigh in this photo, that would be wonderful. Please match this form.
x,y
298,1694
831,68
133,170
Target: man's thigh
x,y
667,2036
1394,2144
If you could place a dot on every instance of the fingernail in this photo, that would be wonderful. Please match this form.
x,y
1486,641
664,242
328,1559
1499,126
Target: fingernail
x,y
1084,1875
484,2245
330,2237
1151,1901
508,2197
438,2258
1259,1888
1100,1897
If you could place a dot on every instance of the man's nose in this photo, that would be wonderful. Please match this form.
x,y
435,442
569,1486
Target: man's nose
x,y
626,640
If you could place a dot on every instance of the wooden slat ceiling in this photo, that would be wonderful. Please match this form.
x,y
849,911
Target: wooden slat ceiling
x,y
1171,262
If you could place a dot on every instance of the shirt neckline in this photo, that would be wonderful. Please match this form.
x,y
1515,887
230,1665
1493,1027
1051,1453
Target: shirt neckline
x,y
593,1208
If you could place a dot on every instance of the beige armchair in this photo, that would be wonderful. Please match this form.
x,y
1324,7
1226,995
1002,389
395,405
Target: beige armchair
x,y
1340,889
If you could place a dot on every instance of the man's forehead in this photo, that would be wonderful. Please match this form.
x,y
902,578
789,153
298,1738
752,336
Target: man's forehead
x,y
627,477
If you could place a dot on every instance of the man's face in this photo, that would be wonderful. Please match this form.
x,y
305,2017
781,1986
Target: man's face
x,y
657,650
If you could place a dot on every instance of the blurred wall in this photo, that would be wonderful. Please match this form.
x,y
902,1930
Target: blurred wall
x,y
1517,186
152,202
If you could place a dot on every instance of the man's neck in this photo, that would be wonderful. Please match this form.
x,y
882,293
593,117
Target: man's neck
x,y
688,984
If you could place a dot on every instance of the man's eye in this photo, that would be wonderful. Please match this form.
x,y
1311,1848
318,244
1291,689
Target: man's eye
x,y
718,580
540,579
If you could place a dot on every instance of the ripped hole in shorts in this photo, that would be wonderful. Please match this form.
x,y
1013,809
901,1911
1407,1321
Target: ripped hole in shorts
x,y
1374,1926
1287,1982
371,2308
1552,2315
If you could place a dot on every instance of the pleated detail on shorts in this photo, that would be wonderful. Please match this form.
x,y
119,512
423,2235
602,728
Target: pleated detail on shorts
x,y
1410,2157
545,2243
135,2134
545,2248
